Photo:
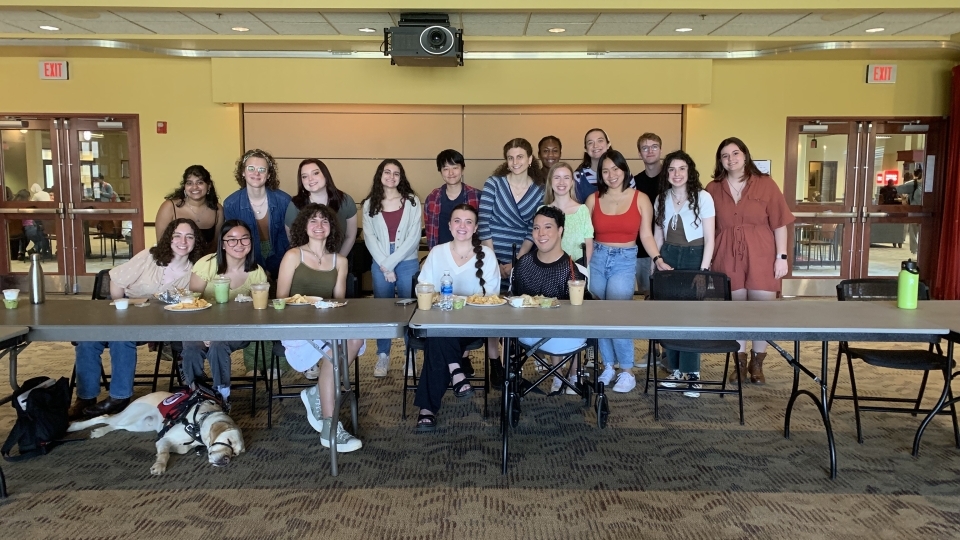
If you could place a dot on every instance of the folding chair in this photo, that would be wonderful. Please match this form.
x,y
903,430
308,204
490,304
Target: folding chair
x,y
931,359
692,285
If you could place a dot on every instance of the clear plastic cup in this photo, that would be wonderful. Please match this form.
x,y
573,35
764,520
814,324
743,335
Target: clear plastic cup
x,y
221,289
261,295
577,286
11,294
425,293
122,303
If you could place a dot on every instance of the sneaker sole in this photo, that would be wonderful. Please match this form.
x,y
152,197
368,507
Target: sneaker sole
x,y
692,394
306,404
621,391
343,448
379,374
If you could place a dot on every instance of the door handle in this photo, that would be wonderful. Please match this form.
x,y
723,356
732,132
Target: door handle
x,y
122,211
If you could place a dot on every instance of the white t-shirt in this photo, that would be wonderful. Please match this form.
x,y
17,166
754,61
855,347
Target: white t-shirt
x,y
465,281
691,231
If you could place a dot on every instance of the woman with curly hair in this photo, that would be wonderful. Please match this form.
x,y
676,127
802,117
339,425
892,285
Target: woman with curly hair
x,y
313,267
443,360
261,206
197,199
315,185
162,267
392,221
684,219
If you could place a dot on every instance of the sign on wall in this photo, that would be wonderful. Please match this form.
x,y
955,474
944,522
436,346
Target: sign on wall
x,y
881,73
54,69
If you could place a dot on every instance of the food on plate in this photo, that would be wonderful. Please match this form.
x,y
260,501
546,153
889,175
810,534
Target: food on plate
x,y
492,300
299,299
199,303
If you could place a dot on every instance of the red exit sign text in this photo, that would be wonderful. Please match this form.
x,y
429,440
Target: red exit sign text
x,y
54,69
881,73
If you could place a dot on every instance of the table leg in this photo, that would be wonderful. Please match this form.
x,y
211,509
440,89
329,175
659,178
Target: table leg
x,y
820,402
13,350
505,404
335,416
943,403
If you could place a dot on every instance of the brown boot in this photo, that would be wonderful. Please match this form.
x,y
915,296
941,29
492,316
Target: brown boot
x,y
76,412
756,367
741,367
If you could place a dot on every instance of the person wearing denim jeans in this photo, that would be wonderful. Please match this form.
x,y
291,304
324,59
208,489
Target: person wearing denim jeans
x,y
401,287
620,216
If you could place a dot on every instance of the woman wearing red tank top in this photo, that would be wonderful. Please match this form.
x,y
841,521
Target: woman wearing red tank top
x,y
620,214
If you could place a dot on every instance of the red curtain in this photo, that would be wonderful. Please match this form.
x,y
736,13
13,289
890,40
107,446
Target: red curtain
x,y
947,286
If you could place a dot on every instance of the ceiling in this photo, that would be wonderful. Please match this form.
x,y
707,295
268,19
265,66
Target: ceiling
x,y
154,31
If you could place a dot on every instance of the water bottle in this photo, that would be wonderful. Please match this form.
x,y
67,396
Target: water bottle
x,y
37,294
908,284
446,291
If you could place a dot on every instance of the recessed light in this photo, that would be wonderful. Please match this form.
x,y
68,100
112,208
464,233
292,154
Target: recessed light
x,y
875,30
557,30
23,131
240,29
684,30
50,28
368,30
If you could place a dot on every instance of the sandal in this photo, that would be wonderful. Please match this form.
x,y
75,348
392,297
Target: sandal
x,y
426,423
458,388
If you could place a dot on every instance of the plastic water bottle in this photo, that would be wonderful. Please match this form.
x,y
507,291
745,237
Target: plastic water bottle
x,y
446,291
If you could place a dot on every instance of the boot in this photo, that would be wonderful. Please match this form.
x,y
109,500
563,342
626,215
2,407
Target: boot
x,y
497,373
76,412
756,367
741,367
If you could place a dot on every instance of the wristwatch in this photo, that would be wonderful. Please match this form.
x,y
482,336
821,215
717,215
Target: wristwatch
x,y
782,256
655,259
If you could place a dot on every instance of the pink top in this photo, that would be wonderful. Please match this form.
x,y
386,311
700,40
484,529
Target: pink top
x,y
392,219
141,277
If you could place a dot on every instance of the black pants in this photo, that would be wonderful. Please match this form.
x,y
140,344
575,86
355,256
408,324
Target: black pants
x,y
435,375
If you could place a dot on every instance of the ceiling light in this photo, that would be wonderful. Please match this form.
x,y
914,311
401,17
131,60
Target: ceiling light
x,y
240,29
684,29
557,30
874,30
368,30
23,131
50,28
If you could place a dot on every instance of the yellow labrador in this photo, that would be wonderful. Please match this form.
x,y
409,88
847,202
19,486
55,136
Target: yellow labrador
x,y
216,429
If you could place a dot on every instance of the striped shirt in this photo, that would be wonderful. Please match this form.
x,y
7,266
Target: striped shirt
x,y
504,220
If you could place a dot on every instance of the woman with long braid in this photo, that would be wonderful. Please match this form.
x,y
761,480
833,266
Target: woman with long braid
x,y
441,365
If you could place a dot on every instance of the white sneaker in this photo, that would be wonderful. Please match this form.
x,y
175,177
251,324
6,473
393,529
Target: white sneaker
x,y
607,375
569,390
672,378
383,364
312,373
625,382
311,400
345,441
692,379
557,384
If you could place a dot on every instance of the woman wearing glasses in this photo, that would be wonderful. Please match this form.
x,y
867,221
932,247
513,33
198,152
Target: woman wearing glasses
x,y
234,260
261,206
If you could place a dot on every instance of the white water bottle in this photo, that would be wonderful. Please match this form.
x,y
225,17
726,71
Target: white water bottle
x,y
446,291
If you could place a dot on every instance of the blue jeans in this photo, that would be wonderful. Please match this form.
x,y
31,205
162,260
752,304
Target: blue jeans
x,y
402,288
682,258
612,275
123,366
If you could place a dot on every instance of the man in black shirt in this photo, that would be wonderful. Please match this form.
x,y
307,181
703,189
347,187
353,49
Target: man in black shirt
x,y
648,182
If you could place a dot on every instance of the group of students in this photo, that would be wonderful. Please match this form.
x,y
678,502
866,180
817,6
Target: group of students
x,y
536,224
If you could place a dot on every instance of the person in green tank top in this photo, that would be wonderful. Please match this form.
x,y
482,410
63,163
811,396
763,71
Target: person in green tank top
x,y
312,268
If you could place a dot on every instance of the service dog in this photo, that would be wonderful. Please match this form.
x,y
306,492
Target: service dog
x,y
211,427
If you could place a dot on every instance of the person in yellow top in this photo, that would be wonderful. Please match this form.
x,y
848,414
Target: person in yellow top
x,y
234,260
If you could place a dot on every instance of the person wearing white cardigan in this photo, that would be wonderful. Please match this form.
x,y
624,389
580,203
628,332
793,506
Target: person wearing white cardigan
x,y
392,225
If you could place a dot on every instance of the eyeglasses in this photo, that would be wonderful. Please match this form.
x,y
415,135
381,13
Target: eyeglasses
x,y
651,148
232,242
261,170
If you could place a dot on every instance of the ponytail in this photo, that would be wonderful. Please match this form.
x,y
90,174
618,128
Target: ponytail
x,y
478,251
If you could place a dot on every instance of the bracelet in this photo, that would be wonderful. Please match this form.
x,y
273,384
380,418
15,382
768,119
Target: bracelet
x,y
655,259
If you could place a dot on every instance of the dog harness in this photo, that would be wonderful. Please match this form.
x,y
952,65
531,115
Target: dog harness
x,y
174,410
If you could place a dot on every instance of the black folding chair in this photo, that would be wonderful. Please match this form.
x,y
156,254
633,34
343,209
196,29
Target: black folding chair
x,y
692,285
931,359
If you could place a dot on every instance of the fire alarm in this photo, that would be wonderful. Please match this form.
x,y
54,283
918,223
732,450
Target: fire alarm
x,y
162,127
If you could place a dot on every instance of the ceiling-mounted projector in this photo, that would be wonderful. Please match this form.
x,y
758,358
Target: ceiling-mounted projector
x,y
425,40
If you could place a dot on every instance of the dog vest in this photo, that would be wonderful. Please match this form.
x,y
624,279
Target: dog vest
x,y
174,409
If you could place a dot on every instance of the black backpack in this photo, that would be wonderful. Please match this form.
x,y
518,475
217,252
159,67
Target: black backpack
x,y
41,417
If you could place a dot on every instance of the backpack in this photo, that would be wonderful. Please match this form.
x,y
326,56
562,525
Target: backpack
x,y
41,405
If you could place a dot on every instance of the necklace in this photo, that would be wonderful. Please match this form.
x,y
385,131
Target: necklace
x,y
743,185
678,206
459,255
258,209
314,253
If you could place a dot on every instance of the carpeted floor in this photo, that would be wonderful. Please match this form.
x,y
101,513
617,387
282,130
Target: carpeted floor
x,y
695,474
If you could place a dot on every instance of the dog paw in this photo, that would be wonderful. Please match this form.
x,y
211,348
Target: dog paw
x,y
158,469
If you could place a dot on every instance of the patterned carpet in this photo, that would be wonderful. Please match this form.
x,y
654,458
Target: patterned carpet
x,y
695,474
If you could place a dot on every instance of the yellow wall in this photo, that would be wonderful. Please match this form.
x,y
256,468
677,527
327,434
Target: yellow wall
x,y
173,90
753,98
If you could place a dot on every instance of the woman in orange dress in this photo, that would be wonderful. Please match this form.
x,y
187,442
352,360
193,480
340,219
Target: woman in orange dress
x,y
752,219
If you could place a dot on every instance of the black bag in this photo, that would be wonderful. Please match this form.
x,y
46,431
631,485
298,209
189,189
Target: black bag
x,y
41,417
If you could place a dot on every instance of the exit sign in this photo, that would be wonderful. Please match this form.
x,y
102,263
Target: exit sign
x,y
54,69
881,73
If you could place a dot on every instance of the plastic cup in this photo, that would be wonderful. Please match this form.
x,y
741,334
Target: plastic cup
x,y
261,294
425,295
187,299
11,294
11,304
516,302
546,302
577,287
279,303
459,302
221,289
122,303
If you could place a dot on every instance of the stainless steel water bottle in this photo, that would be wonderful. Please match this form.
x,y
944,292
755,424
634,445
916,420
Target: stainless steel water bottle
x,y
37,294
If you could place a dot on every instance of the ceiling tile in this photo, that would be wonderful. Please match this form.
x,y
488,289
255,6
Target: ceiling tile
x,y
823,24
454,18
177,28
503,29
572,29
621,29
756,24
289,16
943,26
701,24
631,18
380,19
303,29
204,17
563,18
10,29
103,22
890,22
223,23
494,18
31,21
153,16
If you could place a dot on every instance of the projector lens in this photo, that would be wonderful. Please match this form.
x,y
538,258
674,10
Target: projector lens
x,y
437,40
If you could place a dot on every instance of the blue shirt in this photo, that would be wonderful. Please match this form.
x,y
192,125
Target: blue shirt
x,y
237,206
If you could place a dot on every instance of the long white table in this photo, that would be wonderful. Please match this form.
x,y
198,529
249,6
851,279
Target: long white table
x,y
813,320
97,320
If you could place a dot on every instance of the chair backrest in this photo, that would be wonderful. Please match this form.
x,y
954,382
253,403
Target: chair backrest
x,y
689,285
101,285
352,286
868,289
